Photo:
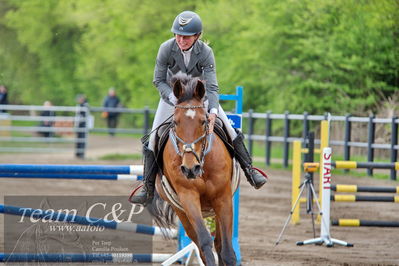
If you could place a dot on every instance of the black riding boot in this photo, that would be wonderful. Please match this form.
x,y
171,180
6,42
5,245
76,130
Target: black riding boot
x,y
254,177
146,194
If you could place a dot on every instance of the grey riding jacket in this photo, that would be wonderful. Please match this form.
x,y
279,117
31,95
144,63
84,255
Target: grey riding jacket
x,y
202,64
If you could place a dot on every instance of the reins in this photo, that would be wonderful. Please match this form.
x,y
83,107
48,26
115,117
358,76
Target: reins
x,y
146,137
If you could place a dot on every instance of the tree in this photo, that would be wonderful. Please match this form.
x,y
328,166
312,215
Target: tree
x,y
317,56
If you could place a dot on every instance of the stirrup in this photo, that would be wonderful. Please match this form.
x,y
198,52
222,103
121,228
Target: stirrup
x,y
257,177
261,172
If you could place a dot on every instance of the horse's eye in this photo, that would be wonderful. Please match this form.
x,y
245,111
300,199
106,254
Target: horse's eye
x,y
203,122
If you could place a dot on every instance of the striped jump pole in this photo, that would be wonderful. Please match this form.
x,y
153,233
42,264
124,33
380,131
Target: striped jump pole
x,y
73,176
358,222
71,169
100,257
371,165
76,219
355,188
354,198
325,234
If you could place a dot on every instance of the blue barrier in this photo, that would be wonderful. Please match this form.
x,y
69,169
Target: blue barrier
x,y
77,219
108,257
71,169
73,176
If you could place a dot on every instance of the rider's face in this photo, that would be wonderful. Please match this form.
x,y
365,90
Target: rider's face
x,y
185,42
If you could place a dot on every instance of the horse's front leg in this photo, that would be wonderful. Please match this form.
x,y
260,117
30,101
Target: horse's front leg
x,y
218,242
192,208
223,207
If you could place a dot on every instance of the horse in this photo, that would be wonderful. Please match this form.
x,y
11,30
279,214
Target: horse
x,y
199,168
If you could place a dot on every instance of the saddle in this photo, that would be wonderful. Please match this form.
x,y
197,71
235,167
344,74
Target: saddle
x,y
162,137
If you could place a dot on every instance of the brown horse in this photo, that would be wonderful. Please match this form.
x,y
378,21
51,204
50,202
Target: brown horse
x,y
199,168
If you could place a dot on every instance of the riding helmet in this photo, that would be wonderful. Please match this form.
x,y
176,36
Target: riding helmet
x,y
187,23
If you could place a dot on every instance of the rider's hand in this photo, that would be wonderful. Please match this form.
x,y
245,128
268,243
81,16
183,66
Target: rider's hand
x,y
172,98
211,118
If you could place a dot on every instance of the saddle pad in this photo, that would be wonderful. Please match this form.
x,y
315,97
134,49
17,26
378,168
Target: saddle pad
x,y
174,199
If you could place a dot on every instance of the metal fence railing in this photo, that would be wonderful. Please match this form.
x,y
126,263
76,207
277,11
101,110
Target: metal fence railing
x,y
144,117
345,124
71,125
31,128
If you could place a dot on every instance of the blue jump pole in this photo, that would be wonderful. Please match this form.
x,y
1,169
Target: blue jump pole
x,y
77,219
71,169
236,198
73,176
100,257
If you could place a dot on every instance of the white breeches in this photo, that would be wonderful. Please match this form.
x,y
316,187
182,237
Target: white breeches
x,y
165,110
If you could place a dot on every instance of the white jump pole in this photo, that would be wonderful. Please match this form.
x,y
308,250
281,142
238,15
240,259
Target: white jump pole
x,y
326,195
325,237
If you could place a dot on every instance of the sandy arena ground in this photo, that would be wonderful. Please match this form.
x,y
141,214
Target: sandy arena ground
x,y
262,213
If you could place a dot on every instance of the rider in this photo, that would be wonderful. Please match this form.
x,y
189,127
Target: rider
x,y
186,53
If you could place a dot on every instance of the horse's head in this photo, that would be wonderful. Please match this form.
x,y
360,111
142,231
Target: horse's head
x,y
189,134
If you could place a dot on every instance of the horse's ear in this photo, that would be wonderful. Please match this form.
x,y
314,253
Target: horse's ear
x,y
199,90
178,89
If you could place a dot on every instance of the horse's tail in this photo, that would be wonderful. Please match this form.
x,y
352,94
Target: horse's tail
x,y
163,213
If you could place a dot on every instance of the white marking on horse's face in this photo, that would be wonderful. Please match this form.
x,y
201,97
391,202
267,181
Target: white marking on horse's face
x,y
190,113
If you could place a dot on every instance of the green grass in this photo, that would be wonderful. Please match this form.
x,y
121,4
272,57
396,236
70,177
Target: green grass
x,y
18,123
258,149
359,158
22,144
131,135
277,166
119,156
353,173
361,173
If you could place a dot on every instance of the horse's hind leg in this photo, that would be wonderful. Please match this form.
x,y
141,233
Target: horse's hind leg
x,y
224,216
195,227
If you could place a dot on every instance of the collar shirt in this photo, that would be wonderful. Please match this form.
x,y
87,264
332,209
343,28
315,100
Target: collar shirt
x,y
187,56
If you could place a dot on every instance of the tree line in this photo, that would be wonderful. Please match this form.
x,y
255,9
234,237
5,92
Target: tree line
x,y
319,56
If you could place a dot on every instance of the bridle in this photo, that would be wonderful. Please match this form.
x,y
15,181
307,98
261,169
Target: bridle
x,y
189,147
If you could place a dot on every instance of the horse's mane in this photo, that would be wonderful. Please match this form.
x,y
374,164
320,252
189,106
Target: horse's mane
x,y
189,84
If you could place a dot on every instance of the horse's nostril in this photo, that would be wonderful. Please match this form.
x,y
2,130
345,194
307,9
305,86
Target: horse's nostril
x,y
197,169
184,169
191,173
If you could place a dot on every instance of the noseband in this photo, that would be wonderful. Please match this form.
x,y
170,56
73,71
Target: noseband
x,y
189,147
